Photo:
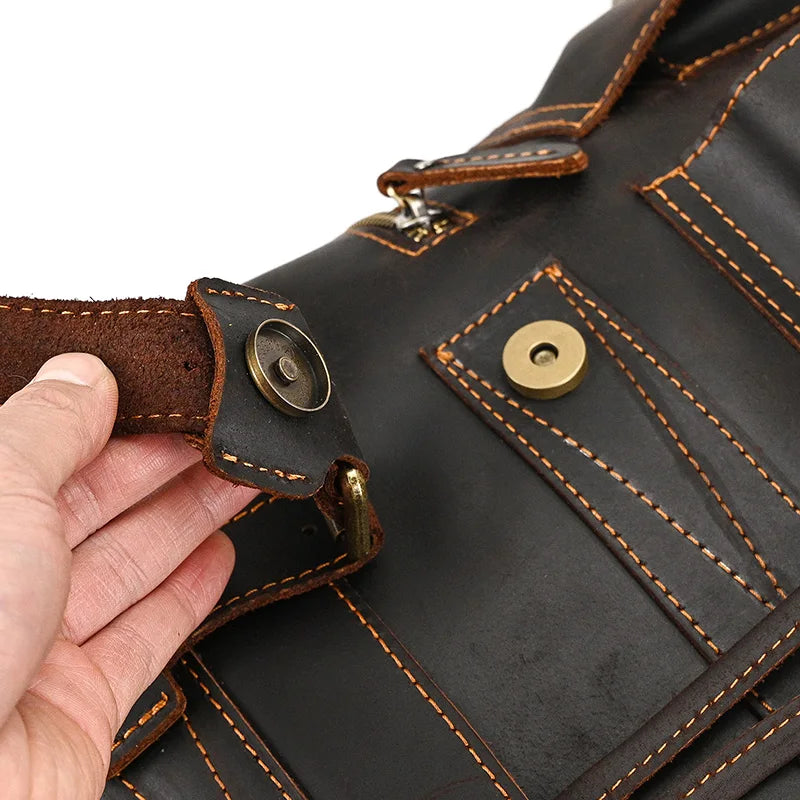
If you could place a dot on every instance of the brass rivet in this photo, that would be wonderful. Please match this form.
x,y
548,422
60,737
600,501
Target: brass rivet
x,y
287,368
545,359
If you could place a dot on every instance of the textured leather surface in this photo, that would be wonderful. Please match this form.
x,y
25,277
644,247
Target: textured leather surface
x,y
503,644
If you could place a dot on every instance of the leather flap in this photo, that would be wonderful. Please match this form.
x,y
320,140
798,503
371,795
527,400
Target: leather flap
x,y
247,438
161,704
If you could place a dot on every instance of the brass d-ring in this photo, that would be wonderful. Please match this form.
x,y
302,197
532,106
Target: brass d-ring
x,y
356,513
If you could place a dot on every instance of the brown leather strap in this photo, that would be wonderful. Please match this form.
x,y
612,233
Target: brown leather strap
x,y
158,349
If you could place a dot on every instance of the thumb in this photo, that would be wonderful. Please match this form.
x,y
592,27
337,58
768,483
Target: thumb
x,y
48,430
58,423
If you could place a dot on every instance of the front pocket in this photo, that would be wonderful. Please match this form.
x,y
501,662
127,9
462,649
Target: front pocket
x,y
642,457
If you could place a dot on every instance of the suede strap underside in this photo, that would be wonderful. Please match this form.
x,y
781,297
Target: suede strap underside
x,y
158,349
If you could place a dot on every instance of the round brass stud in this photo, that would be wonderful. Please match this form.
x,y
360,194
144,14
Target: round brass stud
x,y
287,368
545,359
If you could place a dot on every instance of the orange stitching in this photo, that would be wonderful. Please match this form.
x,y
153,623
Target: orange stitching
x,y
686,393
776,54
252,510
128,785
599,517
159,416
761,254
532,126
281,582
595,107
228,293
567,439
557,278
623,66
242,738
144,719
741,754
710,703
104,313
488,314
416,684
689,69
530,112
469,220
212,769
289,476
717,249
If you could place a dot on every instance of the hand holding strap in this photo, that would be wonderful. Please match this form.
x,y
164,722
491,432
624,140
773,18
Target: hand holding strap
x,y
182,366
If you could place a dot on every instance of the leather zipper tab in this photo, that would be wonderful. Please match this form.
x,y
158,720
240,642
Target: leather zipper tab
x,y
538,159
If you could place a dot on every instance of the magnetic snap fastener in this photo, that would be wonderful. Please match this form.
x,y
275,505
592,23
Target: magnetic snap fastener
x,y
287,368
545,359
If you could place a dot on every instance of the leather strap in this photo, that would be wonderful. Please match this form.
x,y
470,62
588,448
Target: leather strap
x,y
544,159
158,349
181,366
695,709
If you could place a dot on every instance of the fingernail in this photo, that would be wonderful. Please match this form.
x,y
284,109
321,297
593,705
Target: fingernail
x,y
79,368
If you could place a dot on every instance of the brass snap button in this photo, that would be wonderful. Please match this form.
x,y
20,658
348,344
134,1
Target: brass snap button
x,y
287,368
545,359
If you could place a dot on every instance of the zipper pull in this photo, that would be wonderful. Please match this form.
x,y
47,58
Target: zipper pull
x,y
538,159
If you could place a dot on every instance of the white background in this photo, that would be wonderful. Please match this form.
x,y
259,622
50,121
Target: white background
x,y
145,144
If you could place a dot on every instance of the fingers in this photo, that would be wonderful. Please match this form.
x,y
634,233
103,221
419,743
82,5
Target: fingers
x,y
47,430
57,423
134,553
126,471
136,646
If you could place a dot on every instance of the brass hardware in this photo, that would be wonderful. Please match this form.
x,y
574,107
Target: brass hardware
x,y
356,513
287,368
545,359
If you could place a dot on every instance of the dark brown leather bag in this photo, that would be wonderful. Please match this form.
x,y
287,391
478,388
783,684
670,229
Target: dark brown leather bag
x,y
589,587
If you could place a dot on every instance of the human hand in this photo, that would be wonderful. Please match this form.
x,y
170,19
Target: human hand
x,y
106,566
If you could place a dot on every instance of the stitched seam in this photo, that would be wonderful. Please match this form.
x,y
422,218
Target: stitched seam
x,y
531,112
288,476
128,785
741,754
281,582
416,684
242,738
243,296
623,66
685,70
608,91
523,287
598,516
104,313
709,704
469,220
143,720
532,126
721,252
494,157
641,495
776,54
252,510
686,393
761,254
557,277
211,768
159,416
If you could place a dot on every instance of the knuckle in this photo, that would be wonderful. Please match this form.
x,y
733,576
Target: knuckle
x,y
79,503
